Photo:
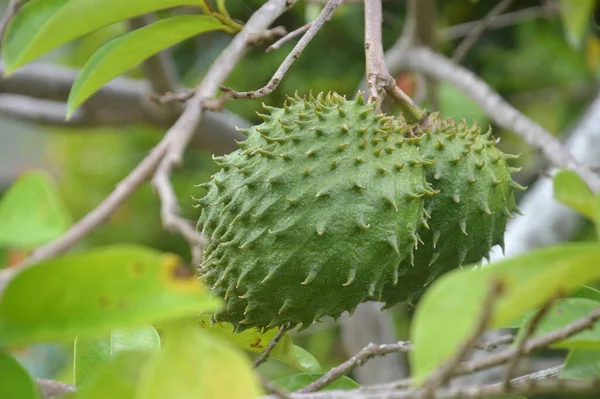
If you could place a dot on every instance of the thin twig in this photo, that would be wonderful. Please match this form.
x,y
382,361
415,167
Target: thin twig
x,y
379,80
169,97
367,353
182,131
512,363
317,24
169,151
501,21
267,352
444,373
502,357
267,36
271,388
292,35
552,372
378,76
464,47
495,344
11,9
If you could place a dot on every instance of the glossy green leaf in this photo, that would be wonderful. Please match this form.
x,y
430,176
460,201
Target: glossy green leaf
x,y
194,364
117,380
582,364
15,382
564,312
454,302
90,353
252,340
306,361
43,25
118,286
127,51
32,212
295,382
576,17
572,191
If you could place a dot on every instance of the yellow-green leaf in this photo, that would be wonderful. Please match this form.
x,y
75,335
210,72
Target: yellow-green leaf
x,y
92,352
576,17
127,51
194,364
32,212
454,302
252,340
15,382
91,292
43,25
571,190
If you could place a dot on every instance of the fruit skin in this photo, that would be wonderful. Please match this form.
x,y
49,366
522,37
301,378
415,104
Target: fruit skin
x,y
468,216
313,215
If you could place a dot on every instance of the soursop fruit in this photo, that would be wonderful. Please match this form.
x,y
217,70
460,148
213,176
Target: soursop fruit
x,y
468,215
313,214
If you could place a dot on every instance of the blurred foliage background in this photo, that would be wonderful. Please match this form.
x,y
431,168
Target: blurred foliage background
x,y
542,68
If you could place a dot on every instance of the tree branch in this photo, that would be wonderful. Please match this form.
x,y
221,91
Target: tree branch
x,y
475,33
122,102
369,352
267,352
316,25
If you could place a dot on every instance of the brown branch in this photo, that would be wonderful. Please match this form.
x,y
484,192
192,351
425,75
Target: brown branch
x,y
267,352
505,115
317,24
267,36
169,97
378,76
367,353
464,47
167,154
519,349
38,93
292,35
180,134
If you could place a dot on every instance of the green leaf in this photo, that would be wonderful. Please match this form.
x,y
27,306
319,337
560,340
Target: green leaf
x,y
295,382
306,361
117,380
194,364
587,293
252,339
32,212
582,365
566,311
127,51
572,191
15,382
43,25
576,16
90,353
454,301
118,286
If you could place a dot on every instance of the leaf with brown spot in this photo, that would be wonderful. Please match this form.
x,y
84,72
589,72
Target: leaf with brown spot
x,y
94,291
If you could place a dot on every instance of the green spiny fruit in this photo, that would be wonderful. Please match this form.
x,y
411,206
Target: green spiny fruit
x,y
313,214
468,216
